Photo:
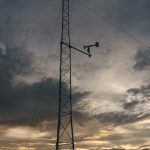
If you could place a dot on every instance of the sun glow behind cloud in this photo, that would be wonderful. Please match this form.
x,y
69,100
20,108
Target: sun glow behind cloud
x,y
22,133
24,148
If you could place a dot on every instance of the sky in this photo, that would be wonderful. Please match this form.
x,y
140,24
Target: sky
x,y
111,90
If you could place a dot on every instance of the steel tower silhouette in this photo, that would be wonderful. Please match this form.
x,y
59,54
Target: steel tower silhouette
x,y
65,137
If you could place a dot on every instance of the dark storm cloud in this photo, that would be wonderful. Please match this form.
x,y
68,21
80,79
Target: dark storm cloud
x,y
39,100
130,105
25,101
27,21
136,100
142,59
20,62
132,111
81,118
119,118
109,118
22,21
18,107
144,90
17,102
15,62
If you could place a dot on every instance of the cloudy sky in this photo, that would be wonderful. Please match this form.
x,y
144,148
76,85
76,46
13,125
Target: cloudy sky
x,y
111,90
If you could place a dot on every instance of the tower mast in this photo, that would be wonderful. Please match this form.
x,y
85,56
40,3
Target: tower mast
x,y
65,137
